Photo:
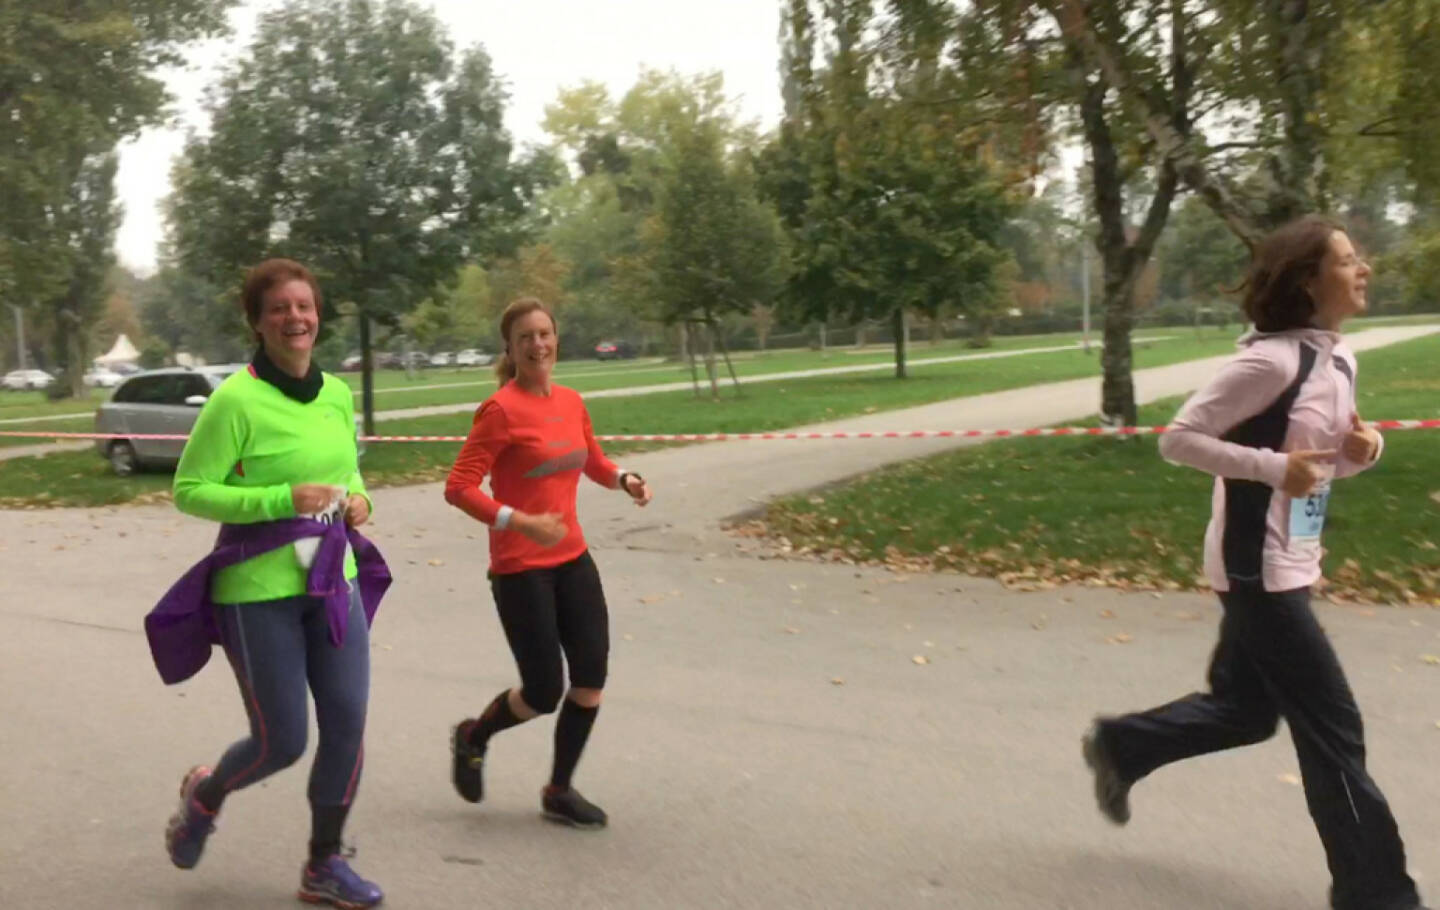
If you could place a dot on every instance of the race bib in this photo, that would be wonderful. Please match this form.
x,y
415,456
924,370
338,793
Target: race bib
x,y
1307,514
307,547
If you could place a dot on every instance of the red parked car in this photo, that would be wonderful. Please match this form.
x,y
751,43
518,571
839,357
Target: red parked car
x,y
614,350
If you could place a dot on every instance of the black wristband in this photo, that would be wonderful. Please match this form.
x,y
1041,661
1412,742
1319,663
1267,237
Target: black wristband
x,y
624,475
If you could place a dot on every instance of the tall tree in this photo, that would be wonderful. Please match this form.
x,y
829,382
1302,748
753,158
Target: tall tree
x,y
1291,95
624,150
352,137
85,221
890,203
713,248
75,78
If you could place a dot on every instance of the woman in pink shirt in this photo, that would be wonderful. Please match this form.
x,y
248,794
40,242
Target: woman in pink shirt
x,y
1274,427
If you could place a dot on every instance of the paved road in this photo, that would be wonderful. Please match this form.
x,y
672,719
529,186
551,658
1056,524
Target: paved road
x,y
738,773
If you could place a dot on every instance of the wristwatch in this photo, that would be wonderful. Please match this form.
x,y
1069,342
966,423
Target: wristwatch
x,y
623,480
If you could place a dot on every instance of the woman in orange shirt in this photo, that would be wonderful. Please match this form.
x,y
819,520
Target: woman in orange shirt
x,y
533,438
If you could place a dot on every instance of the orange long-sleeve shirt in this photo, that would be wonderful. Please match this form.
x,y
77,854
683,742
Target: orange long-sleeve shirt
x,y
533,448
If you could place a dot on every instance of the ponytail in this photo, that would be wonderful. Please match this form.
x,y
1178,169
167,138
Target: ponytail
x,y
504,368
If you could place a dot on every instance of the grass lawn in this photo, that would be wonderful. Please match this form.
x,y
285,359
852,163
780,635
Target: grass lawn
x,y
1042,511
82,478
448,386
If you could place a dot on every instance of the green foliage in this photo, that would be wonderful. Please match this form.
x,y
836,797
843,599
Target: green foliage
x,y
605,226
456,318
352,137
183,312
75,78
1200,259
1039,512
1417,264
713,248
889,200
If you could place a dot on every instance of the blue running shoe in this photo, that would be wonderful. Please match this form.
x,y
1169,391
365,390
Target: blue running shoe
x,y
333,882
191,824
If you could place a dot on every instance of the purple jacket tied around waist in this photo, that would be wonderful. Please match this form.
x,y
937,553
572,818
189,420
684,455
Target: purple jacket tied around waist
x,y
181,628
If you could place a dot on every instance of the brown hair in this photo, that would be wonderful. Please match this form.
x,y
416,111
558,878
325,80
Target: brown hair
x,y
1275,295
521,306
260,280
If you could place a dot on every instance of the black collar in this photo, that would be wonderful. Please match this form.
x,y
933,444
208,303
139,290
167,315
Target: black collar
x,y
302,390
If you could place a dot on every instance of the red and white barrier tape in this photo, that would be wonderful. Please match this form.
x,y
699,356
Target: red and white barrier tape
x,y
740,437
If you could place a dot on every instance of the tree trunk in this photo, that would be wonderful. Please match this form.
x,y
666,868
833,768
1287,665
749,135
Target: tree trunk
x,y
682,346
1117,390
937,329
902,340
689,347
860,334
725,352
710,360
1122,259
367,376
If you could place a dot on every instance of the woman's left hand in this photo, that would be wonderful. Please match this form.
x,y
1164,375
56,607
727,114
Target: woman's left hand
x,y
1361,444
638,489
357,510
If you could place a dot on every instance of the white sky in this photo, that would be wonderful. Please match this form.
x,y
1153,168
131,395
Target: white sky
x,y
538,47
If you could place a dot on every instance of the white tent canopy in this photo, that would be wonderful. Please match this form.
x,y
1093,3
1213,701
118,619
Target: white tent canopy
x,y
121,352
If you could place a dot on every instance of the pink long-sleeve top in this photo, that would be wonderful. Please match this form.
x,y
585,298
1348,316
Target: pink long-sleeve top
x,y
1284,391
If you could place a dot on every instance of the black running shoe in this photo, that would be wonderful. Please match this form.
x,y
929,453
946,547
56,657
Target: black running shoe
x,y
568,807
1112,791
467,764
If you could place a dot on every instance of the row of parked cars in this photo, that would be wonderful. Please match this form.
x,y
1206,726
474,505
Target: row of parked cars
x,y
385,360
35,380
472,357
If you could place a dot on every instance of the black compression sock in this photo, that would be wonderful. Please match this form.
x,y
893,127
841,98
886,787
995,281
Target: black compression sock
x,y
326,825
209,794
572,729
497,717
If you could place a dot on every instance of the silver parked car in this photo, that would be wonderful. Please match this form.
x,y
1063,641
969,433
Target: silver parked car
x,y
158,402
155,402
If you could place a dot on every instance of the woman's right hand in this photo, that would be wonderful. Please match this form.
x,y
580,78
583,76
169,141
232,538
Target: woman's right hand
x,y
1304,470
546,529
312,498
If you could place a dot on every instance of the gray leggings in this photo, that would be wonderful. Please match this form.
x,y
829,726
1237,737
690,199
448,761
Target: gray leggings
x,y
275,647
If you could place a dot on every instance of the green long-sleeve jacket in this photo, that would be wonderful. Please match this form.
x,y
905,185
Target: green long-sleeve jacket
x,y
250,444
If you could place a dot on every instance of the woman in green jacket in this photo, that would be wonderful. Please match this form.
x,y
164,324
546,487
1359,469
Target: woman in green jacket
x,y
276,441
